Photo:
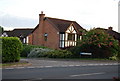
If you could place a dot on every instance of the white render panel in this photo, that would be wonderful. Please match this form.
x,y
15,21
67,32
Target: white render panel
x,y
66,36
74,31
72,28
67,31
75,37
27,39
80,37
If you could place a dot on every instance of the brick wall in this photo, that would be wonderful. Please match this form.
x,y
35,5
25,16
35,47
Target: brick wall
x,y
52,38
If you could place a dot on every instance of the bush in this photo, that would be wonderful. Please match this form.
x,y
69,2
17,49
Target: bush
x,y
38,52
97,42
59,54
27,48
11,48
45,52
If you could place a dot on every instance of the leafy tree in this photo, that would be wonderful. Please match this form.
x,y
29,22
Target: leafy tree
x,y
98,42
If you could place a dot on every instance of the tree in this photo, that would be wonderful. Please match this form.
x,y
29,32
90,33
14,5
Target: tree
x,y
1,30
99,43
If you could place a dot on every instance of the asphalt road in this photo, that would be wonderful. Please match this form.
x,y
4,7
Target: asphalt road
x,y
75,72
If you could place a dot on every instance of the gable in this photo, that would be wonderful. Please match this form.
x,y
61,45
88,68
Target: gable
x,y
71,29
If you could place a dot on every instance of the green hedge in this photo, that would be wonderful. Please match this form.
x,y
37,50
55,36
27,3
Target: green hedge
x,y
59,54
11,48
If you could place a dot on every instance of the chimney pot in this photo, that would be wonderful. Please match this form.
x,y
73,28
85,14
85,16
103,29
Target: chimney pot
x,y
41,12
110,28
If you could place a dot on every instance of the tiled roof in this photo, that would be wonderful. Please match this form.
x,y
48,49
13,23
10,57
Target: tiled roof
x,y
18,32
113,33
62,25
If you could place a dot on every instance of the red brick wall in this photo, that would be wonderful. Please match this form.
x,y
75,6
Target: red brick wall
x,y
36,37
52,38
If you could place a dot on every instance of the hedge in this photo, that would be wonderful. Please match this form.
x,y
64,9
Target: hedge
x,y
11,48
49,53
59,54
27,48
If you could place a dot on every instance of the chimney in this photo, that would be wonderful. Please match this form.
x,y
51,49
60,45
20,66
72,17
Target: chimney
x,y
110,28
41,16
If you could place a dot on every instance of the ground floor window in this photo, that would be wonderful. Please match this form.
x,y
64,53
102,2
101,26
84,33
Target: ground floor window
x,y
62,40
45,36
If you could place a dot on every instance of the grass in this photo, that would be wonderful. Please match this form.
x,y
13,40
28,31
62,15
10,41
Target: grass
x,y
13,64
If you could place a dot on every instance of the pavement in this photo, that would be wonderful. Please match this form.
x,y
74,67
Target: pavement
x,y
46,62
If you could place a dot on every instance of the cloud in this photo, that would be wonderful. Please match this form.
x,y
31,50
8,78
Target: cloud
x,y
8,20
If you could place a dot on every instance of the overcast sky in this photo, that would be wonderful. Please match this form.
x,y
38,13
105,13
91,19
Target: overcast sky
x,y
88,13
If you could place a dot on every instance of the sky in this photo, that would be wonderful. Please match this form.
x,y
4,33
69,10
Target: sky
x,y
88,13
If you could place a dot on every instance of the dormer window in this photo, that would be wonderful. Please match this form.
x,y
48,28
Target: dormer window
x,y
45,36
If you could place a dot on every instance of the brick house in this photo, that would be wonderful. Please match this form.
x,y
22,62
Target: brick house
x,y
22,34
55,33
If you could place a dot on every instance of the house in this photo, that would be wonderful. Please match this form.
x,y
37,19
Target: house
x,y
56,33
113,33
23,34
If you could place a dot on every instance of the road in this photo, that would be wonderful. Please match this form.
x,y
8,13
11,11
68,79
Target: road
x,y
73,72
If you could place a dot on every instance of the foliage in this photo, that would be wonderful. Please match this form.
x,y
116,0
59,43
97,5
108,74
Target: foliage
x,y
59,54
98,42
1,30
27,48
38,52
11,48
45,52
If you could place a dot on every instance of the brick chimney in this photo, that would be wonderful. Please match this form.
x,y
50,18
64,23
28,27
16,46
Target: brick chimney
x,y
110,28
41,27
41,16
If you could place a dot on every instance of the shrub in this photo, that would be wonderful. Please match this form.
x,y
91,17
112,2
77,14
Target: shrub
x,y
38,52
27,48
11,48
98,42
59,54
45,52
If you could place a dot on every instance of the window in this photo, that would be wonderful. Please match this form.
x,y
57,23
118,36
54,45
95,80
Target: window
x,y
62,39
45,36
71,37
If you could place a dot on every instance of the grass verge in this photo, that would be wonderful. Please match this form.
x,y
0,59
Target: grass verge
x,y
14,64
